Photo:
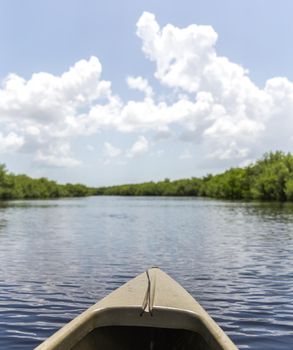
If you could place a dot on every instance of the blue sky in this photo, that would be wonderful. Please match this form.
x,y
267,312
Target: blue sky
x,y
150,94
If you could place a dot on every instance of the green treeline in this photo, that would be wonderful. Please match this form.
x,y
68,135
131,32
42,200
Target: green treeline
x,y
270,178
23,187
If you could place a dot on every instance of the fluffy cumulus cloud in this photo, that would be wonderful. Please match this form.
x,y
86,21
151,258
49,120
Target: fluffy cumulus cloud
x,y
140,146
223,108
140,84
56,156
204,99
11,142
111,151
41,115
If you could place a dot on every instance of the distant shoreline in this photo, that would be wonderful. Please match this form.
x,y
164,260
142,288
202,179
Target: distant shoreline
x,y
24,187
268,179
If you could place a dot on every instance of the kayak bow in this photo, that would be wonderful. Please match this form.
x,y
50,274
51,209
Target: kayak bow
x,y
151,311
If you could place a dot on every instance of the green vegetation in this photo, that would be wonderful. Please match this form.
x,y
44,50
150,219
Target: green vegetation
x,y
270,178
23,187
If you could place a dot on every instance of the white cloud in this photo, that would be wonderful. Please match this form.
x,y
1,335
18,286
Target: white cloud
x,y
140,84
218,105
58,155
231,152
140,146
180,54
210,101
55,161
226,111
47,98
46,108
10,143
110,151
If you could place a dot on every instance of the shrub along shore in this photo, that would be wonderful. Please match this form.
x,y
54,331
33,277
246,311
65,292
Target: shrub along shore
x,y
24,187
268,179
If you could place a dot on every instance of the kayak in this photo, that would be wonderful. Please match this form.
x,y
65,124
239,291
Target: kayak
x,y
150,312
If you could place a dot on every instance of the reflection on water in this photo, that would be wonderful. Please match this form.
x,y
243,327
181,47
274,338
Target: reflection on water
x,y
58,257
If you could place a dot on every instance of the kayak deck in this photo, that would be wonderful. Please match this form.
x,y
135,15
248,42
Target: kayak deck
x,y
152,311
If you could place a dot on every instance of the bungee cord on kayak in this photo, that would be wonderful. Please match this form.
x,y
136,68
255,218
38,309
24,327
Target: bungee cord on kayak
x,y
147,298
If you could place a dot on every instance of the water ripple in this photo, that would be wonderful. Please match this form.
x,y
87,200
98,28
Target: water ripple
x,y
59,257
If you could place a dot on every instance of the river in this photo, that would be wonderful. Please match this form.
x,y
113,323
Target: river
x,y
58,257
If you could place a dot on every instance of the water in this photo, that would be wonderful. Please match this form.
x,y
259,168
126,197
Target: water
x,y
58,257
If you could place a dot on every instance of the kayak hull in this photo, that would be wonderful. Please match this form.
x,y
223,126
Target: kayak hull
x,y
152,311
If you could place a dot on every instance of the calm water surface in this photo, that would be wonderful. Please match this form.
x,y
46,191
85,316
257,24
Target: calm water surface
x,y
59,257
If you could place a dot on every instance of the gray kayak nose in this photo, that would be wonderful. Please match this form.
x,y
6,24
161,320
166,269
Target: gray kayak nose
x,y
151,311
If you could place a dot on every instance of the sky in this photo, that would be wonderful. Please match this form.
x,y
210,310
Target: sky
x,y
112,92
